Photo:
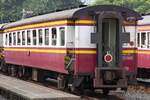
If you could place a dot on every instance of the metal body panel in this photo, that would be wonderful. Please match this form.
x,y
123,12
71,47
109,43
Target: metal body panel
x,y
42,58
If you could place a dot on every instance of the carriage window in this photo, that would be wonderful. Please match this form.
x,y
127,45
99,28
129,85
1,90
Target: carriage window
x,y
6,39
28,37
143,40
10,39
23,37
148,39
40,37
138,39
14,38
34,37
54,36
62,36
18,38
46,36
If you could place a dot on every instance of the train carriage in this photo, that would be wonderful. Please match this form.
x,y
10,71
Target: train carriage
x,y
128,53
1,42
143,47
139,53
80,48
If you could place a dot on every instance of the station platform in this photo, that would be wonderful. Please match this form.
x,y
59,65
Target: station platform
x,y
31,91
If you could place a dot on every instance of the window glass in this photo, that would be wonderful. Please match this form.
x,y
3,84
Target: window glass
x,y
46,36
18,38
6,39
148,38
40,37
143,40
14,38
138,39
54,36
34,37
23,37
28,37
62,36
10,39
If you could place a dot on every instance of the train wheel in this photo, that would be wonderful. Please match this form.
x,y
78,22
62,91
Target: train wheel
x,y
61,82
3,66
20,72
105,92
9,70
13,71
77,90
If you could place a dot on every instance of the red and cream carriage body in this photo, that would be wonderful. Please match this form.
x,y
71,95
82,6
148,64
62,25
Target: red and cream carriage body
x,y
81,44
136,57
128,54
143,48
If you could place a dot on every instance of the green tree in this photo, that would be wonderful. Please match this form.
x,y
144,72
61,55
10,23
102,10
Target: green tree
x,y
46,6
142,6
12,10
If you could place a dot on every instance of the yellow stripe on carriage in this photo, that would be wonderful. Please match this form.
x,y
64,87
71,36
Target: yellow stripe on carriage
x,y
40,25
143,52
129,51
85,22
46,24
73,51
52,51
135,52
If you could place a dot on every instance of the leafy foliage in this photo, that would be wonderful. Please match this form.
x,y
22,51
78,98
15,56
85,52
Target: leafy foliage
x,y
12,10
141,6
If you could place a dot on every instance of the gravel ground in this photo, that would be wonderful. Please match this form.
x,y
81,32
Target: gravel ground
x,y
137,93
133,93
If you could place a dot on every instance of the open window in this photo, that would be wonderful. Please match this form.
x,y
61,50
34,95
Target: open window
x,y
138,39
46,36
23,37
6,39
54,36
62,36
28,37
148,39
14,38
34,37
40,37
143,40
18,38
10,39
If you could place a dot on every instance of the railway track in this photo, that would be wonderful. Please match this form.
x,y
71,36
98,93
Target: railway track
x,y
139,91
87,95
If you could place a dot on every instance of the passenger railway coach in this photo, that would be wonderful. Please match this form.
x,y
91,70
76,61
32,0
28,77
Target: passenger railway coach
x,y
1,42
78,48
136,57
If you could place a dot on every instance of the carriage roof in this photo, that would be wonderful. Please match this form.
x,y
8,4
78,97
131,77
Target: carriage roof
x,y
73,14
145,20
2,26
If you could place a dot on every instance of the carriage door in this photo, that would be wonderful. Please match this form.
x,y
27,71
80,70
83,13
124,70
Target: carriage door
x,y
109,42
108,51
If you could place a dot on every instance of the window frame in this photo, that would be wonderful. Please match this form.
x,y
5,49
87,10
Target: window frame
x,y
6,39
56,38
19,37
30,35
49,36
36,37
38,30
60,36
